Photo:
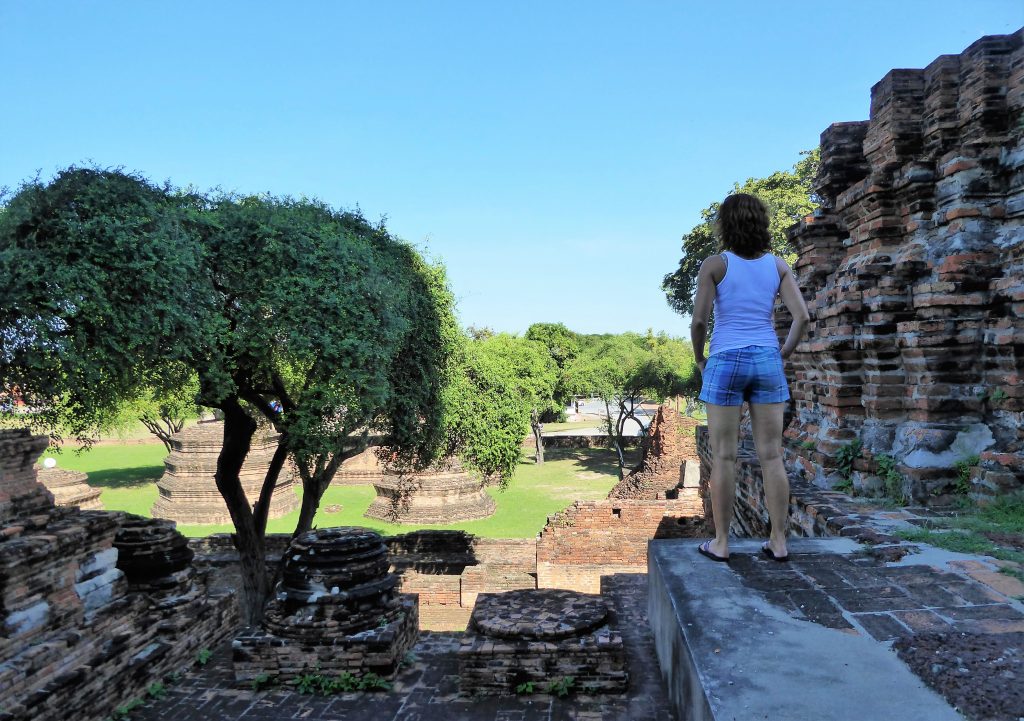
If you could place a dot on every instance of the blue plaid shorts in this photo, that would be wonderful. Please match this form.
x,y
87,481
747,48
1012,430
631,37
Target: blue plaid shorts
x,y
753,374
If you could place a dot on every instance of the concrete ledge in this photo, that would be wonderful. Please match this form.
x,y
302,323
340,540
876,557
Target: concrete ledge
x,y
727,653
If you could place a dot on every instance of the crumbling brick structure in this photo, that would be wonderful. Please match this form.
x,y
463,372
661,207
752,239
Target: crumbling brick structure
x,y
913,269
94,606
444,493
188,488
590,539
70,488
669,468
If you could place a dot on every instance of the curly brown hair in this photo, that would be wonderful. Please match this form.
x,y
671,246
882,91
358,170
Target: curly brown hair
x,y
742,225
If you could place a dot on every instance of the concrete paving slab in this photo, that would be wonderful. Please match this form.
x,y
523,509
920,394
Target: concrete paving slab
x,y
727,653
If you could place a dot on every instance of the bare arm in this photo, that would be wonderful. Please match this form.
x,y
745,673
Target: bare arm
x,y
794,301
712,270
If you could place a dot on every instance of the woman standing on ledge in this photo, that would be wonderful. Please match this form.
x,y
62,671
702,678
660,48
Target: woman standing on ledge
x,y
745,363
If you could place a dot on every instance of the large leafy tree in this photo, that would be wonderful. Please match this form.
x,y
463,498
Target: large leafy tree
x,y
313,319
163,416
505,384
788,194
104,299
563,345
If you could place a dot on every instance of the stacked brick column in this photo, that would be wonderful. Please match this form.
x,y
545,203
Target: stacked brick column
x,y
914,273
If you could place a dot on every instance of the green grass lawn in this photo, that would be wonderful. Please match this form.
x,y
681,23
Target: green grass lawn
x,y
128,473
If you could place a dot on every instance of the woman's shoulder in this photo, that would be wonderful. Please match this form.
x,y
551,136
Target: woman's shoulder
x,y
714,265
713,262
782,266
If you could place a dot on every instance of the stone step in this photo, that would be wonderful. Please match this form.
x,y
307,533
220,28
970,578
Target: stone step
x,y
726,652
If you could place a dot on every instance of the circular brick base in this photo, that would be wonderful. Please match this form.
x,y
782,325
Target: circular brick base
x,y
540,613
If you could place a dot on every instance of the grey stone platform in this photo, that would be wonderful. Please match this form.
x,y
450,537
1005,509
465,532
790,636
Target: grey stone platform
x,y
728,652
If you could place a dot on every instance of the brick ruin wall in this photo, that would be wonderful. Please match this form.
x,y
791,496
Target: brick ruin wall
x,y
669,465
78,638
448,569
750,514
913,269
591,539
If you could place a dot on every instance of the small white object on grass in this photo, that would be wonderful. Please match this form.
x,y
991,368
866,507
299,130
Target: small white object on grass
x,y
49,462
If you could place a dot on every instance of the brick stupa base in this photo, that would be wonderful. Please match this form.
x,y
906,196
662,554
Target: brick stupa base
x,y
336,611
438,495
541,637
188,489
69,488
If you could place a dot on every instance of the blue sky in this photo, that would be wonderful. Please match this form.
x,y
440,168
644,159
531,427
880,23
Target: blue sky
x,y
550,153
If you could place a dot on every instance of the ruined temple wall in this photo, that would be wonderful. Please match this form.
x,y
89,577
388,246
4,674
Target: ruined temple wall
x,y
78,639
913,269
449,569
591,539
446,569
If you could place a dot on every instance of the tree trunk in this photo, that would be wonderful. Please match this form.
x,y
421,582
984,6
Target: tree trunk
x,y
238,431
614,435
314,485
310,502
261,509
621,457
157,431
538,435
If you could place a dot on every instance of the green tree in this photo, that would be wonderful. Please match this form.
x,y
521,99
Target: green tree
x,y
163,416
563,345
479,333
505,386
118,287
788,196
625,370
94,310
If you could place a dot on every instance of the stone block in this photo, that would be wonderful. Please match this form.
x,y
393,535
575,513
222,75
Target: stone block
x,y
538,638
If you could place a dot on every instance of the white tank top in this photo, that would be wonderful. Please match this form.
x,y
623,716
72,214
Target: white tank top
x,y
745,304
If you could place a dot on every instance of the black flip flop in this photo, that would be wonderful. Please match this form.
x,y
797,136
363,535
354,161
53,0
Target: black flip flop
x,y
768,552
703,550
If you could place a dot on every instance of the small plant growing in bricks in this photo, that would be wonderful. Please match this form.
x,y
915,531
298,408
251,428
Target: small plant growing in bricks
x,y
561,520
525,688
962,484
310,683
204,656
345,682
261,682
156,690
123,712
846,455
561,687
371,682
994,397
844,486
892,479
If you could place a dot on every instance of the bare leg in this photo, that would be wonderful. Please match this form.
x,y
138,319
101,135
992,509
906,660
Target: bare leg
x,y
766,419
724,429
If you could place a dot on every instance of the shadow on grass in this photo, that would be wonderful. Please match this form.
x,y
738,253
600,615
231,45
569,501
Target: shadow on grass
x,y
125,477
595,460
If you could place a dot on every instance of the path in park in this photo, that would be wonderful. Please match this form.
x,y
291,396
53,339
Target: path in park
x,y
593,410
